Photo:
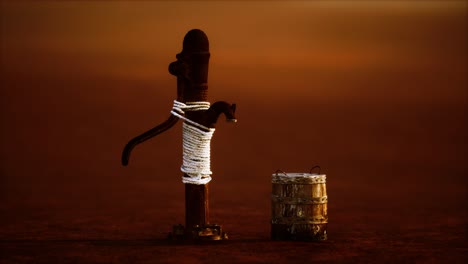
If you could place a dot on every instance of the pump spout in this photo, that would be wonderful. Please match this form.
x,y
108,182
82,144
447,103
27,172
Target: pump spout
x,y
212,114
171,121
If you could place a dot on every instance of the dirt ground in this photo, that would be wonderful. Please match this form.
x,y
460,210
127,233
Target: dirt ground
x,y
404,225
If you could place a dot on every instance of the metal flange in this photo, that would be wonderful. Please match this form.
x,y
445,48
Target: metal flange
x,y
208,232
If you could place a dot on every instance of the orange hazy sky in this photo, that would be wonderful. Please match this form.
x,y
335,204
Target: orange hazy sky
x,y
259,46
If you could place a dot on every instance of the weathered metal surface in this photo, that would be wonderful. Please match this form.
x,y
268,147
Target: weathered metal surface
x,y
192,78
299,207
191,70
207,232
171,121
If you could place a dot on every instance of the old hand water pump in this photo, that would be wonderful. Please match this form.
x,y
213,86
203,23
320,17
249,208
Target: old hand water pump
x,y
191,105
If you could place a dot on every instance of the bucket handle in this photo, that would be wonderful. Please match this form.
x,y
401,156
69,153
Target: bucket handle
x,y
278,170
315,167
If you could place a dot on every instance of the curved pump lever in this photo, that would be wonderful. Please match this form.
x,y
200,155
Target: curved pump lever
x,y
171,121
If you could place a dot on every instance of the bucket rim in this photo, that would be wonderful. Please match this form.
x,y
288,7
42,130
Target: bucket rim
x,y
298,175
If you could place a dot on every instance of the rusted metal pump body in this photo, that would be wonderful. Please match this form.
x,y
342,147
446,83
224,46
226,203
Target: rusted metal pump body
x,y
191,70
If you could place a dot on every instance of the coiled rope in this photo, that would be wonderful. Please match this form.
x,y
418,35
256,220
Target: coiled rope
x,y
196,144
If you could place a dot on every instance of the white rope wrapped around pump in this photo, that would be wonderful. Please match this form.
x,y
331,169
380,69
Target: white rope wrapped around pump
x,y
196,144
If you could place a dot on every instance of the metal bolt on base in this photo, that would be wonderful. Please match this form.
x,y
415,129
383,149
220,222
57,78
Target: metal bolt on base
x,y
208,232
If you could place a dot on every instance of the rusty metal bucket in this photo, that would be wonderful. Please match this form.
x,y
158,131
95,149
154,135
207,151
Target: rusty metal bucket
x,y
299,206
